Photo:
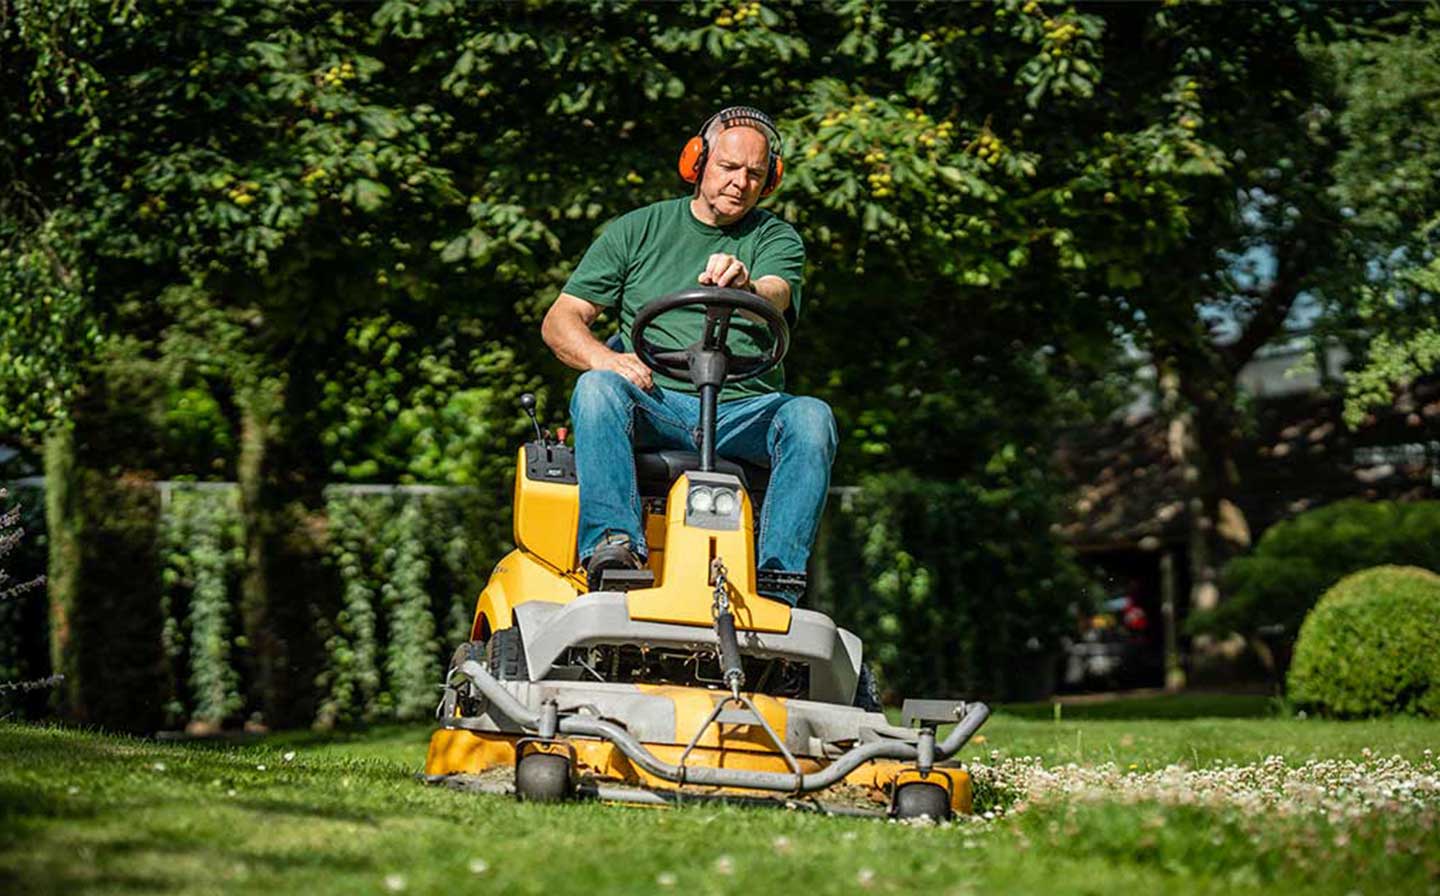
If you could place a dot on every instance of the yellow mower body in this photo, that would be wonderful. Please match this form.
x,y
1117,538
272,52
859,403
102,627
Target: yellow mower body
x,y
542,567
541,579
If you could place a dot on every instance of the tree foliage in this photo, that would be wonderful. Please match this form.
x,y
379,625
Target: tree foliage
x,y
268,189
1390,194
293,243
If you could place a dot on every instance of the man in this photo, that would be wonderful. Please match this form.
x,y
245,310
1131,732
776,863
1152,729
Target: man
x,y
716,237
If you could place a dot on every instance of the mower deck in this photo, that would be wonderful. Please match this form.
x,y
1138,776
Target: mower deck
x,y
679,743
604,773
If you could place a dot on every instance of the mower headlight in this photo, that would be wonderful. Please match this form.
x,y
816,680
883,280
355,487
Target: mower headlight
x,y
725,503
702,499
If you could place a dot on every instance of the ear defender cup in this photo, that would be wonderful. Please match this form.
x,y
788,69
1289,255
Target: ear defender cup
x,y
697,150
692,159
777,174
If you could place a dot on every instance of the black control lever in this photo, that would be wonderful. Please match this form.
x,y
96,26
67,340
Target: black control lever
x,y
527,402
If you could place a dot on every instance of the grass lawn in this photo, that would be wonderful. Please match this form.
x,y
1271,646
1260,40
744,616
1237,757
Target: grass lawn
x,y
1140,801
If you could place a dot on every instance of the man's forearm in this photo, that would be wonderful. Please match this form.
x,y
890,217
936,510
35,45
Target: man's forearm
x,y
573,343
773,290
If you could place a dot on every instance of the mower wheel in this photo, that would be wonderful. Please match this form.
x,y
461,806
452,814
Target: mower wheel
x,y
918,798
542,777
462,698
506,652
867,692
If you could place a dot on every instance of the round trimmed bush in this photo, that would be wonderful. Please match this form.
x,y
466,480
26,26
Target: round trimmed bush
x,y
1369,646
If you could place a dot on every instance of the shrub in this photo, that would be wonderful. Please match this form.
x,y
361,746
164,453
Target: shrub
x,y
1368,647
1296,560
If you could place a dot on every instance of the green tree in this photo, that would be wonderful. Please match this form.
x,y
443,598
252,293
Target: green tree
x,y
1388,189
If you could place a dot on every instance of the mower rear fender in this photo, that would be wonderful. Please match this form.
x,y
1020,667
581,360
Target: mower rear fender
x,y
518,578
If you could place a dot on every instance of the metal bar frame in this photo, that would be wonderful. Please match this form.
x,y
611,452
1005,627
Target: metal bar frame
x,y
503,702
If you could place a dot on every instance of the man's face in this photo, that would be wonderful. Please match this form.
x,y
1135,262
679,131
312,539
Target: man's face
x,y
735,172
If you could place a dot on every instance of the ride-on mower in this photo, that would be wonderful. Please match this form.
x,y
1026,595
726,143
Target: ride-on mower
x,y
679,680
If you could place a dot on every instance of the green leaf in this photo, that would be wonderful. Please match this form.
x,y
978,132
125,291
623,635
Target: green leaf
x,y
370,195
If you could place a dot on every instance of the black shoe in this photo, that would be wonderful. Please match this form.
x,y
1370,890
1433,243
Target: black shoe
x,y
613,553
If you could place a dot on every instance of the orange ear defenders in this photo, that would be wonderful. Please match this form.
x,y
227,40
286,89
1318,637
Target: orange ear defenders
x,y
697,150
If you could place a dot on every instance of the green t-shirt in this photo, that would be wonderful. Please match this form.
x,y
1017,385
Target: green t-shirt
x,y
660,249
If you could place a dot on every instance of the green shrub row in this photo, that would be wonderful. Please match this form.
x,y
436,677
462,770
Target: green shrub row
x,y
157,631
952,591
1368,647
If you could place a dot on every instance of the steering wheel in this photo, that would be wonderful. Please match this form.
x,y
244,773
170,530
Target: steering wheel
x,y
720,305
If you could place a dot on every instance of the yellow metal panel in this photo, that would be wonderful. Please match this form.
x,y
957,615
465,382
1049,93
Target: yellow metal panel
x,y
684,593
547,518
455,751
693,706
655,542
518,578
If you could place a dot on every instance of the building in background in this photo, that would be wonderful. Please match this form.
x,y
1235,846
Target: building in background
x,y
1128,521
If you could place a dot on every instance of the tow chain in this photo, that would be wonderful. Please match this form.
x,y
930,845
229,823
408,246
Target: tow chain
x,y
721,601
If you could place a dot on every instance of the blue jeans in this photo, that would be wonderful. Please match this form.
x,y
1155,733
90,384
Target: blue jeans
x,y
794,436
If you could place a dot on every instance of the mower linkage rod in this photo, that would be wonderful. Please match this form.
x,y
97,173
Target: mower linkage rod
x,y
505,703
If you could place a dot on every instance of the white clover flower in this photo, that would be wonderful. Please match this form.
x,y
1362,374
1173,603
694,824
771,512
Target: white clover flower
x,y
1325,788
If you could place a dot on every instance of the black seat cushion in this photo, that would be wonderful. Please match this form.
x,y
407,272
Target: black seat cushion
x,y
658,470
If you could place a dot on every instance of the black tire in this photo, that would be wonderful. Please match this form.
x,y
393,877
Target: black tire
x,y
542,778
919,798
867,692
462,698
506,652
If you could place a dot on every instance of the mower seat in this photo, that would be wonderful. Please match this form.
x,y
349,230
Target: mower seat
x,y
656,471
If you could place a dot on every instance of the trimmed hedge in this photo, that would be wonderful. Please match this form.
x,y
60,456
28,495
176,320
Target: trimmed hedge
x,y
1368,647
956,590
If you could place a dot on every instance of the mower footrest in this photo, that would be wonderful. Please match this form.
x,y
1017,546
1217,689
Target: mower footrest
x,y
771,581
626,579
931,712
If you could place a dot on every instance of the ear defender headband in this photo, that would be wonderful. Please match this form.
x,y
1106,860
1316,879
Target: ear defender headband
x,y
697,151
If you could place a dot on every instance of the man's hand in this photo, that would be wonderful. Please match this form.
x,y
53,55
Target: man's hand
x,y
630,367
726,270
